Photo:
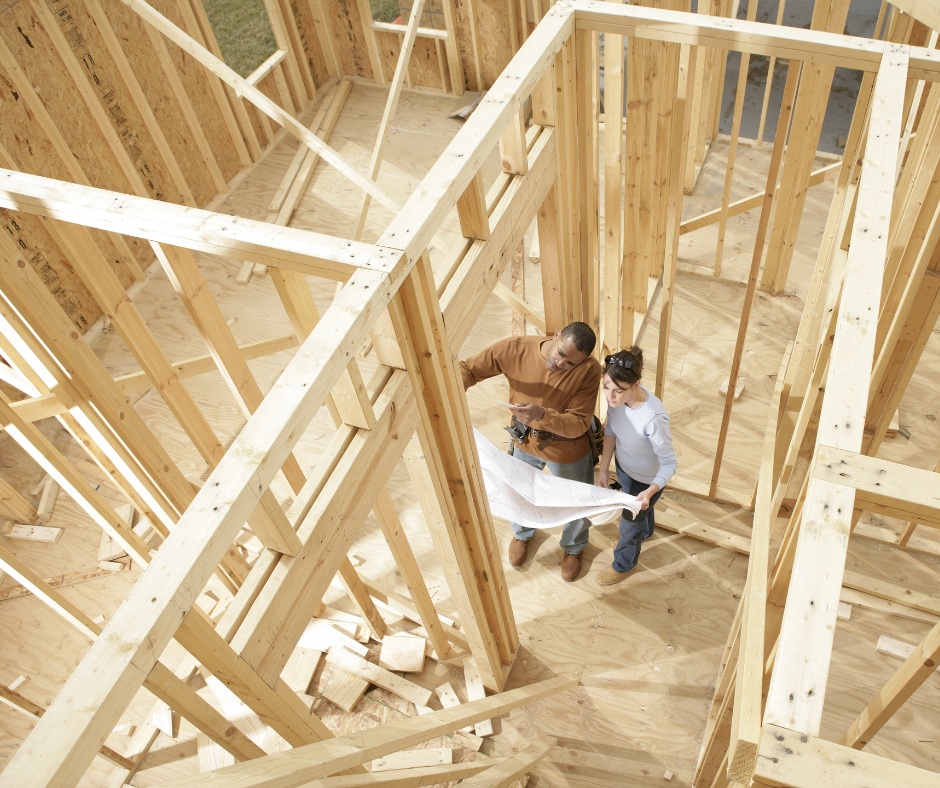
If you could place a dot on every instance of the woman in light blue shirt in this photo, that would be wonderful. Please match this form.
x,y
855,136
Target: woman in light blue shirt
x,y
637,434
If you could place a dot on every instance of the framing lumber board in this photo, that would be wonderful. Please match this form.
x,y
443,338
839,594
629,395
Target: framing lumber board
x,y
922,10
262,102
677,66
512,769
798,761
109,675
391,103
192,228
407,609
298,185
186,108
454,465
475,691
312,762
267,521
89,390
161,681
409,778
822,175
613,190
403,652
414,225
46,405
904,345
472,212
917,668
18,506
279,615
756,38
232,108
400,548
408,759
519,306
62,581
810,616
908,597
882,486
344,689
33,710
379,676
480,269
749,681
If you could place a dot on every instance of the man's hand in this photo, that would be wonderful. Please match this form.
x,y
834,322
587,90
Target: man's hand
x,y
603,480
526,412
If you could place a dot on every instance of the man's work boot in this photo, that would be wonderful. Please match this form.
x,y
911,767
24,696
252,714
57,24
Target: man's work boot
x,y
609,576
517,551
570,566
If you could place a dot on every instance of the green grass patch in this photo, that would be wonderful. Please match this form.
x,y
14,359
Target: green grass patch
x,y
243,32
384,10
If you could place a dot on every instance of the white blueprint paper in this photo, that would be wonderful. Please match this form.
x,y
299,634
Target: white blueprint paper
x,y
520,493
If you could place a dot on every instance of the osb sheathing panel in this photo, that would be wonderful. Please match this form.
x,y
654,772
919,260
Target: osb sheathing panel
x,y
195,79
465,39
493,21
108,86
28,233
352,48
143,61
315,57
423,68
306,21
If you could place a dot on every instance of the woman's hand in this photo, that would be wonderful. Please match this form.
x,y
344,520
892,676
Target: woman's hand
x,y
603,479
644,497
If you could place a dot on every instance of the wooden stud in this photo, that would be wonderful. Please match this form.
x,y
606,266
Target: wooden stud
x,y
807,628
391,104
472,212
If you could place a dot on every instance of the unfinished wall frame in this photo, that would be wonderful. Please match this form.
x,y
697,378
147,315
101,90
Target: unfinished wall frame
x,y
418,318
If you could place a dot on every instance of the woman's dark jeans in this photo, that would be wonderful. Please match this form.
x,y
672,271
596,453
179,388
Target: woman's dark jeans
x,y
633,531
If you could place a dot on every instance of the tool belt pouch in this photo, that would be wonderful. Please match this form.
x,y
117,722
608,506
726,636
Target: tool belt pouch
x,y
518,432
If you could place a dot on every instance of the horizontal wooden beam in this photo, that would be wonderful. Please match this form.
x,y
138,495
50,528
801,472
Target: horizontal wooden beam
x,y
46,405
882,486
193,228
314,761
423,32
797,760
756,38
409,778
823,174
265,68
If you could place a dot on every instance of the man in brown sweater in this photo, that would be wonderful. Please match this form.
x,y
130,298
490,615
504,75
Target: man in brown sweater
x,y
553,385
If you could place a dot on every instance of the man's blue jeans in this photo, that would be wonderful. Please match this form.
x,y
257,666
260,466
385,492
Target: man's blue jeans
x,y
574,536
633,531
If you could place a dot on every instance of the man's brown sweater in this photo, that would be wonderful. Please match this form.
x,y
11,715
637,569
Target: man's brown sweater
x,y
569,397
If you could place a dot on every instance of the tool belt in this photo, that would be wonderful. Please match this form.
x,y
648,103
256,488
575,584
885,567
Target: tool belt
x,y
520,434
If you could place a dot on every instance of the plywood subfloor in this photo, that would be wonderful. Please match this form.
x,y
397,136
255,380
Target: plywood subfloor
x,y
647,650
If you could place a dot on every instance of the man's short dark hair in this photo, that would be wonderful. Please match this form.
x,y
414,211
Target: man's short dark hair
x,y
582,335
